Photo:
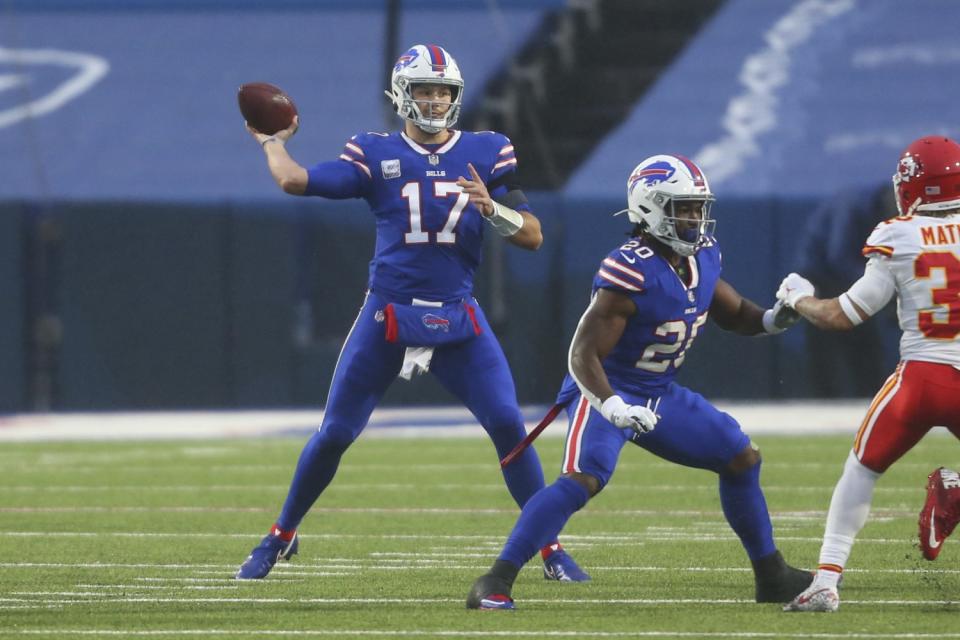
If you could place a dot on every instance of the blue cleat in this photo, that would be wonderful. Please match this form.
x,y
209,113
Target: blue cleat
x,y
559,565
271,550
489,592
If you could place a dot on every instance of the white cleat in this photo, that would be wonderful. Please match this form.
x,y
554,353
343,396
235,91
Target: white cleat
x,y
815,598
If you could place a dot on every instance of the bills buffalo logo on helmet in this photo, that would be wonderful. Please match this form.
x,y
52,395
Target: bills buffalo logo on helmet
x,y
436,323
405,60
652,174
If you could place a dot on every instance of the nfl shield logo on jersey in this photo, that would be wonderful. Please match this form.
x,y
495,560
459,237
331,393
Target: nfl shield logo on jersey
x,y
390,168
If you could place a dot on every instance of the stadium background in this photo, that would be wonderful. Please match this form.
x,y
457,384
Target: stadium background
x,y
147,260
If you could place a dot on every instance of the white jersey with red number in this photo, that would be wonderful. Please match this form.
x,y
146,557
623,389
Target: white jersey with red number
x,y
923,255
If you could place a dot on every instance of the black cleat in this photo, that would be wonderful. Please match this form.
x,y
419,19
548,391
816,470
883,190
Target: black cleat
x,y
776,581
490,592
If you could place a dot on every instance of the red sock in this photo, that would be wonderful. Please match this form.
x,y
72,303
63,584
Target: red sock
x,y
284,535
550,548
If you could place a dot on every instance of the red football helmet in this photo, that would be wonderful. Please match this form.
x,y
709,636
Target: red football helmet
x,y
928,176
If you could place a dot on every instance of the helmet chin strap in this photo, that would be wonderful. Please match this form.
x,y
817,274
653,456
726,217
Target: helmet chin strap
x,y
913,206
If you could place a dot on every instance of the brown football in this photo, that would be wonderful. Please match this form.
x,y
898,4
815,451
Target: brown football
x,y
265,107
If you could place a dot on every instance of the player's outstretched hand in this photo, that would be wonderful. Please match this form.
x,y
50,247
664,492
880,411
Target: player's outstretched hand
x,y
283,135
634,416
477,190
780,318
793,289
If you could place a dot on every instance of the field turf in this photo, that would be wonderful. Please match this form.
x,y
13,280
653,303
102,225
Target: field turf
x,y
141,539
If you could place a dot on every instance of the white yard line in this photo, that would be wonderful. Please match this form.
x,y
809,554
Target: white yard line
x,y
483,539
325,567
483,633
38,598
404,487
878,515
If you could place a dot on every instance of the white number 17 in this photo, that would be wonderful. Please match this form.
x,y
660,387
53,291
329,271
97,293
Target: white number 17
x,y
411,193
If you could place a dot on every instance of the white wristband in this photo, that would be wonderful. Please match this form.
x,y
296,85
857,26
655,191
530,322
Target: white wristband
x,y
264,142
768,324
611,405
504,219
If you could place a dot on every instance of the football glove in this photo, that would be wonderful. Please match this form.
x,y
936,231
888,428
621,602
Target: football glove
x,y
633,416
779,318
793,289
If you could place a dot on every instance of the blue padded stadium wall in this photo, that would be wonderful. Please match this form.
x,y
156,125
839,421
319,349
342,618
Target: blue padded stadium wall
x,y
201,306
11,310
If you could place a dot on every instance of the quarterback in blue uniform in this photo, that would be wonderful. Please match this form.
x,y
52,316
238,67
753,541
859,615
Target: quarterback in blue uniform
x,y
434,192
651,296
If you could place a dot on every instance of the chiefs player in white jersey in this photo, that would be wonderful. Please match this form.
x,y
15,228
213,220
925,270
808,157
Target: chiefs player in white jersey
x,y
914,257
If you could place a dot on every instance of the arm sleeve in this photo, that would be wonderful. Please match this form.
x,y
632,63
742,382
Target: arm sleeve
x,y
336,179
871,292
514,198
504,181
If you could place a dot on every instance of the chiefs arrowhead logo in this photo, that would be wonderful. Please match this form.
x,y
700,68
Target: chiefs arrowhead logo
x,y
21,69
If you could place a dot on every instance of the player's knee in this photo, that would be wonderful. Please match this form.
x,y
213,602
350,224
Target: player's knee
x,y
744,461
585,480
504,419
334,436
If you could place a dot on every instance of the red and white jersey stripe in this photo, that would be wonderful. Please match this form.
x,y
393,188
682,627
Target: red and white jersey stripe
x,y
354,154
621,275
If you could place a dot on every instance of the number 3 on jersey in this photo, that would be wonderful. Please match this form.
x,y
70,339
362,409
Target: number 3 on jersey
x,y
947,296
442,190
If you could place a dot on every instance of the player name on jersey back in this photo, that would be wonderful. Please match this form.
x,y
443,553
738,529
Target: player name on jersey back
x,y
940,234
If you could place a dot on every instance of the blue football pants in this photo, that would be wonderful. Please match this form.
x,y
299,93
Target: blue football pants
x,y
475,371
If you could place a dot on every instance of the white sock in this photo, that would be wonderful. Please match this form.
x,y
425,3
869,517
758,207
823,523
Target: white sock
x,y
826,578
849,509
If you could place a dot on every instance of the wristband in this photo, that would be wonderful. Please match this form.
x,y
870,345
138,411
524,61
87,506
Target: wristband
x,y
263,143
769,325
505,220
613,404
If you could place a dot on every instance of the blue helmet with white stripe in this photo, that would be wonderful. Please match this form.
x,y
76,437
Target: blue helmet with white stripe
x,y
425,64
655,189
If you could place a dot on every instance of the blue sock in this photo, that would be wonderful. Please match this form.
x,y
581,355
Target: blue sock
x,y
544,515
746,511
317,465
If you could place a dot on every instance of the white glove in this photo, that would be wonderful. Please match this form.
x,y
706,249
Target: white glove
x,y
637,417
793,289
779,318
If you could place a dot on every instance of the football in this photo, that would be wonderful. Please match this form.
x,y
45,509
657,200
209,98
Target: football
x,y
265,107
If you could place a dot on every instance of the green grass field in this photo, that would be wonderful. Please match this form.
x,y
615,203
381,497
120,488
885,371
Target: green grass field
x,y
141,539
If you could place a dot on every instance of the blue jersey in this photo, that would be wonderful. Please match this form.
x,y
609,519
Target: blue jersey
x,y
429,237
670,314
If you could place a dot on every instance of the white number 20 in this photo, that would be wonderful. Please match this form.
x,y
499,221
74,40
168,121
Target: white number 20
x,y
416,235
657,357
